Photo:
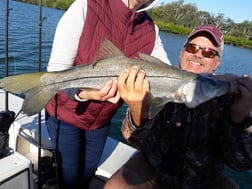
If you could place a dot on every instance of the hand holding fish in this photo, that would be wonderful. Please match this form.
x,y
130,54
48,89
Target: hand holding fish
x,y
134,90
232,79
243,103
108,93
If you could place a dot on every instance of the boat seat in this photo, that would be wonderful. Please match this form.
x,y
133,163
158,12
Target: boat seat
x,y
24,131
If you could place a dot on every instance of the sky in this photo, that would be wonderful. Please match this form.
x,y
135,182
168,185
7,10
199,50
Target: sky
x,y
237,10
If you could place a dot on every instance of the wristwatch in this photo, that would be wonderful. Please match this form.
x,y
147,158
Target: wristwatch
x,y
246,123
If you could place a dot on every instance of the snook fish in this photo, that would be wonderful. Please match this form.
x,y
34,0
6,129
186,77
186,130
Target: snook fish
x,y
167,83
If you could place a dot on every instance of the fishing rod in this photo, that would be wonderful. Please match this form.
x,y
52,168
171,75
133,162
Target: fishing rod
x,y
7,51
39,114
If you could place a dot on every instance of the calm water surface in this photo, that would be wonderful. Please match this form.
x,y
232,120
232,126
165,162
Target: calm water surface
x,y
23,54
23,36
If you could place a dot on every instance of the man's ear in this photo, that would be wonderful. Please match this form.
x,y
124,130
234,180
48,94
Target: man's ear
x,y
217,64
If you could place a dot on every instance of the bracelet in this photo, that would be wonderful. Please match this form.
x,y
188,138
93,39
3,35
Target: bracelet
x,y
76,97
132,125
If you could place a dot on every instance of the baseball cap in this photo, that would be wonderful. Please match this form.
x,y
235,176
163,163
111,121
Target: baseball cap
x,y
208,29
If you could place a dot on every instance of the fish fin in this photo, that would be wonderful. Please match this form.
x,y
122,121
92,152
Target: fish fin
x,y
36,99
156,106
21,83
107,50
149,58
29,84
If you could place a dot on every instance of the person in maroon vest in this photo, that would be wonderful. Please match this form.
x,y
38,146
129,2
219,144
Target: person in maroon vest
x,y
181,147
78,120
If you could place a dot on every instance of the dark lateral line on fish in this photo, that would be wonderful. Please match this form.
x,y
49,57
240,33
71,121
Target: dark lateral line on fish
x,y
93,77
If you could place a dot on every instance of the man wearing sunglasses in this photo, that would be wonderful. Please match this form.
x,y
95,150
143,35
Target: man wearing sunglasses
x,y
184,148
202,50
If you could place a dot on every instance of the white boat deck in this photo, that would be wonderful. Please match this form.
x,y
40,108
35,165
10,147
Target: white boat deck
x,y
24,129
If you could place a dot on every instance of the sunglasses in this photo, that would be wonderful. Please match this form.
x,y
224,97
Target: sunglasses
x,y
206,52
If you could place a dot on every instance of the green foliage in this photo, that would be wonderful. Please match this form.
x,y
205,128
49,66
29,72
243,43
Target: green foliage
x,y
238,41
62,4
236,33
180,18
170,27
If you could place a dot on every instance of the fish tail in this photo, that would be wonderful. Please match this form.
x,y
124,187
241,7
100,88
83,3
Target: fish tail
x,y
21,83
37,94
37,98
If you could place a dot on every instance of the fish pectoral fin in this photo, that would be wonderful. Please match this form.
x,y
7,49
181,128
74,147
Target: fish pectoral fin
x,y
157,105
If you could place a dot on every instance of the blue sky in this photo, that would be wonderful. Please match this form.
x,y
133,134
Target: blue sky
x,y
237,10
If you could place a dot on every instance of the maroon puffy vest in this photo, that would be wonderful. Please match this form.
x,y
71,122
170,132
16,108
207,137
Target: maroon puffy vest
x,y
130,31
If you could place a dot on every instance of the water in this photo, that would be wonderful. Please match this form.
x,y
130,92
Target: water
x,y
23,36
23,55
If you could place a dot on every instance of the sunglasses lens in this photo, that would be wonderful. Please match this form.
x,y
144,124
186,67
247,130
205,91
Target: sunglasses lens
x,y
206,52
191,48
